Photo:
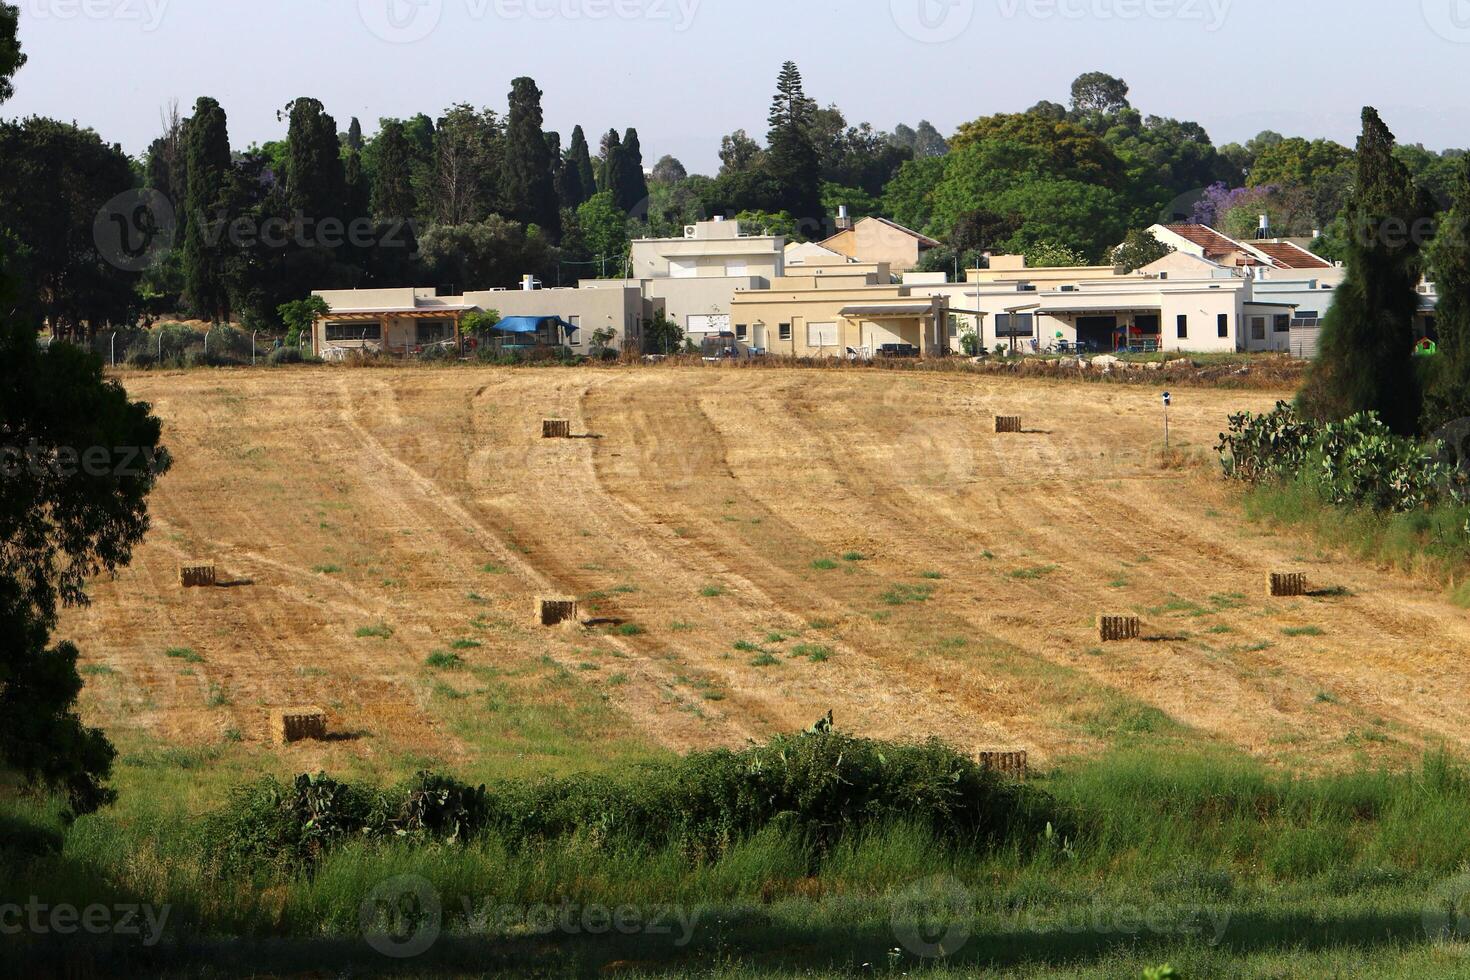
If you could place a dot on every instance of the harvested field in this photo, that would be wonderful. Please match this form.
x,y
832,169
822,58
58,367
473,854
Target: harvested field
x,y
751,548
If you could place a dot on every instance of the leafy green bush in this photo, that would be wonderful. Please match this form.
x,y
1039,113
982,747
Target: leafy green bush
x,y
1356,462
821,785
285,355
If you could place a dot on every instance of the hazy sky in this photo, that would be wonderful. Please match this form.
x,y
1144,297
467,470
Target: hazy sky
x,y
685,72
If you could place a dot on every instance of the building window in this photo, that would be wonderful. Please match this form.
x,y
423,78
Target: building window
x,y
1224,324
433,331
1183,326
742,332
1283,323
1015,324
574,337
1258,328
354,331
821,335
1306,318
784,331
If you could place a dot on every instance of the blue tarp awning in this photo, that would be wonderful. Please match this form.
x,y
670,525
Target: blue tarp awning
x,y
532,324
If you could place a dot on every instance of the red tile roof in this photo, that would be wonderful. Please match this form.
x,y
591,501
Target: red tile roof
x,y
1291,256
1215,244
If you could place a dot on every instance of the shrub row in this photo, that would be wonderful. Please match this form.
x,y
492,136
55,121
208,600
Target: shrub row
x,y
1357,462
821,785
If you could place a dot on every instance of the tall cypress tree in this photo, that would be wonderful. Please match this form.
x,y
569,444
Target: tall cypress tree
x,y
1365,359
316,184
354,135
393,197
612,146
529,183
792,158
579,160
207,165
1449,258
635,193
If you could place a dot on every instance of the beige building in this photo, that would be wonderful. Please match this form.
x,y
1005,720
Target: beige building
x,y
821,321
879,240
696,275
404,321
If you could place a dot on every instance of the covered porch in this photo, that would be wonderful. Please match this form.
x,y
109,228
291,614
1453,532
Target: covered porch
x,y
896,330
400,332
521,334
1123,329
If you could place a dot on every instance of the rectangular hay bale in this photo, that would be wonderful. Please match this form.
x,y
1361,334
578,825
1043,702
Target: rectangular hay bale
x,y
1288,583
1116,628
1007,423
555,611
1010,763
196,576
556,429
298,724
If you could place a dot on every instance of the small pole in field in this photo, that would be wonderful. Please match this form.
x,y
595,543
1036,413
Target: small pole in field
x,y
1168,400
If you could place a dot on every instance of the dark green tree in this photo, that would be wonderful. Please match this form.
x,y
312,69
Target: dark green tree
x,y
11,57
578,174
316,182
791,157
528,186
612,145
393,196
54,181
1365,358
1448,397
1099,92
354,135
207,168
634,197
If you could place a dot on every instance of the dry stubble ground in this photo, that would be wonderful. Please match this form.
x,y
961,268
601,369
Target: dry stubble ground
x,y
764,546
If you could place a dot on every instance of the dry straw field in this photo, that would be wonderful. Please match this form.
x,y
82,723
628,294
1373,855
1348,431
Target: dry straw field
x,y
749,549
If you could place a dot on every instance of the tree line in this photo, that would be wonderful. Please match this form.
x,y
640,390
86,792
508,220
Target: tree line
x,y
476,198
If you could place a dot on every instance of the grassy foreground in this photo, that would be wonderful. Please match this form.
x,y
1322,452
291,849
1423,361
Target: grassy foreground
x,y
1206,862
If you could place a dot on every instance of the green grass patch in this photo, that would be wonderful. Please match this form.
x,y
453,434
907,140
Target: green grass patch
x,y
903,594
327,569
1303,631
1033,573
854,556
96,670
444,660
186,654
933,576
629,629
764,660
814,652
712,591
825,564
465,645
379,631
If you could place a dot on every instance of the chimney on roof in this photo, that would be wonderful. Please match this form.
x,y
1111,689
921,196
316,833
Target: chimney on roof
x,y
529,284
844,222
